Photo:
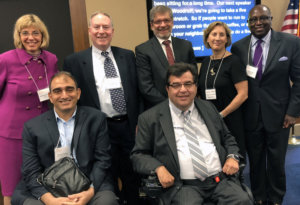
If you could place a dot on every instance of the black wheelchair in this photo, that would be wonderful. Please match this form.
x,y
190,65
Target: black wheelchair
x,y
150,189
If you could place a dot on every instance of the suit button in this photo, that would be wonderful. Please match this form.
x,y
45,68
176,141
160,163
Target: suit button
x,y
29,93
177,187
27,108
40,77
39,107
29,77
39,61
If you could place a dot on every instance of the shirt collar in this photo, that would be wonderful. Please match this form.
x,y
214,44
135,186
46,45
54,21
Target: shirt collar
x,y
266,38
98,51
160,40
177,111
26,57
60,119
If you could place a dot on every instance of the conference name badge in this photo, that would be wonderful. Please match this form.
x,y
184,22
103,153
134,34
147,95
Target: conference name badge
x,y
211,94
43,94
112,83
251,71
61,152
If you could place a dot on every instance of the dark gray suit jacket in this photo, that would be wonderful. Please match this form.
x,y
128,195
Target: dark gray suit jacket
x,y
81,66
273,94
91,145
156,144
152,64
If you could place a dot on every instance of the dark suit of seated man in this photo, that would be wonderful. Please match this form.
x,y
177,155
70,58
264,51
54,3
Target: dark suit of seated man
x,y
186,143
86,127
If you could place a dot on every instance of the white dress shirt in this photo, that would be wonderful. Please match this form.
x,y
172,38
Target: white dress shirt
x,y
206,144
103,83
164,47
66,130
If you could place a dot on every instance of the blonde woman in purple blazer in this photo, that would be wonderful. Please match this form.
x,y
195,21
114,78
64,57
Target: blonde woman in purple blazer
x,y
24,80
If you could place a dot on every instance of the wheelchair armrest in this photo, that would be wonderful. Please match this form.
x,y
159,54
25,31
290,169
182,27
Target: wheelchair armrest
x,y
150,186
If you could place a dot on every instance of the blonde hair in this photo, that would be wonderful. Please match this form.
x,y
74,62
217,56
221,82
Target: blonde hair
x,y
26,21
211,27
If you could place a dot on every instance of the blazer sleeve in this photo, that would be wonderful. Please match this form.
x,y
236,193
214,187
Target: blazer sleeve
x,y
102,158
3,75
145,78
142,153
31,167
192,58
67,64
294,103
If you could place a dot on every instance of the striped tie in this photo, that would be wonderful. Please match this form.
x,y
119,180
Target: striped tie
x,y
198,161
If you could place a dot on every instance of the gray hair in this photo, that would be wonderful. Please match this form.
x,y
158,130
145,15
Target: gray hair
x,y
102,13
161,10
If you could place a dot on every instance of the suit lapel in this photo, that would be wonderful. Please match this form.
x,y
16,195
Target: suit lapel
x,y
121,63
247,48
176,48
88,73
79,121
168,130
274,46
159,52
52,127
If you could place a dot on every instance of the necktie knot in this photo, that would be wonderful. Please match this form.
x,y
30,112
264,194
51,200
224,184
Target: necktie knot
x,y
166,42
104,53
258,42
186,115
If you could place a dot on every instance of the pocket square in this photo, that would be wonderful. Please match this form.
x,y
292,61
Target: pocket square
x,y
283,58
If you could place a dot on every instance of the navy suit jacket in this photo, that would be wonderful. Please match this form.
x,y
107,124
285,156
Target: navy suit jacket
x,y
80,65
152,66
90,142
156,144
273,95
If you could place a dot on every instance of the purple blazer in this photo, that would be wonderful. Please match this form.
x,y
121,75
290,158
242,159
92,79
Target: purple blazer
x,y
19,101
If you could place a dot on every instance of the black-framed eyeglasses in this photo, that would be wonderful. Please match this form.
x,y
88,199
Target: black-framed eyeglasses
x,y
178,86
261,19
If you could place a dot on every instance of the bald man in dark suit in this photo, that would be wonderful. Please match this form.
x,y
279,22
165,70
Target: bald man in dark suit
x,y
272,105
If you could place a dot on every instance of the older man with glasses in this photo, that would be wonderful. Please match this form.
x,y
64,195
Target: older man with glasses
x,y
155,55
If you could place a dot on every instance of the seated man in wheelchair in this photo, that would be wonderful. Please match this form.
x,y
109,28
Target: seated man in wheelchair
x,y
185,142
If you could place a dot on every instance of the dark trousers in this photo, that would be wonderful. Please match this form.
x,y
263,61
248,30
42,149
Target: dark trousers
x,y
266,151
122,142
100,198
227,191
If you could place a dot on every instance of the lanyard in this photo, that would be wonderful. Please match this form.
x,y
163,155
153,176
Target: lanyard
x,y
37,88
249,54
216,74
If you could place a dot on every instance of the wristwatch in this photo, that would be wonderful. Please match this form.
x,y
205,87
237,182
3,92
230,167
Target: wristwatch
x,y
234,156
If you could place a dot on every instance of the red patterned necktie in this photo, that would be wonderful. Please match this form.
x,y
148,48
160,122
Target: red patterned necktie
x,y
169,52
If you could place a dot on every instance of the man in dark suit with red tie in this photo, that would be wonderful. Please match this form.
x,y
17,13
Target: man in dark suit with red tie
x,y
155,55
271,60
107,77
